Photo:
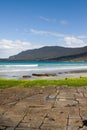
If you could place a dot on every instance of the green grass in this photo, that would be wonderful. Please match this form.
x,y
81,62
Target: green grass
x,y
6,83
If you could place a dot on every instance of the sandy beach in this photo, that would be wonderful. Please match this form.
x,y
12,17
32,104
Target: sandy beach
x,y
63,75
44,75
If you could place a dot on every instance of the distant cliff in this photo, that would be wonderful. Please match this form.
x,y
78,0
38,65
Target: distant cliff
x,y
52,53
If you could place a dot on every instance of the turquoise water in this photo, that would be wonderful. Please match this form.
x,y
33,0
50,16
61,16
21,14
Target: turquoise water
x,y
40,63
23,68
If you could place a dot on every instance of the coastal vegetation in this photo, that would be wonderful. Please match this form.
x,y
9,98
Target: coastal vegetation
x,y
6,83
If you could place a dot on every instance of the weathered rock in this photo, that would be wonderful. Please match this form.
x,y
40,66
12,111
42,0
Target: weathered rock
x,y
26,76
44,74
49,108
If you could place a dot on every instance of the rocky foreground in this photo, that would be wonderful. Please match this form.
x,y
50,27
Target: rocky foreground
x,y
50,108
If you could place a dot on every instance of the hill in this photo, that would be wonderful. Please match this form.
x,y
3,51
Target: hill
x,y
52,53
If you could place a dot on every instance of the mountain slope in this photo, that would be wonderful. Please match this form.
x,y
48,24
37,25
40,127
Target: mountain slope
x,y
51,53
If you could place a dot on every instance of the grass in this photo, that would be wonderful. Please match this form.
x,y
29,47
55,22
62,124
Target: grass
x,y
6,83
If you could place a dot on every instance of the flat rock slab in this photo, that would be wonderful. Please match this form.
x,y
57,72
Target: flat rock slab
x,y
47,108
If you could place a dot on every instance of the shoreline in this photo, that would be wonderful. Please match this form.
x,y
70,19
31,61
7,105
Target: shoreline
x,y
49,75
42,70
45,75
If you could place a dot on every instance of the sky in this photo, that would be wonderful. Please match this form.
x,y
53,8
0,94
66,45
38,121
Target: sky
x,y
29,24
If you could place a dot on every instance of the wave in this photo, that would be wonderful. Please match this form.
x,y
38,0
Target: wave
x,y
43,69
32,65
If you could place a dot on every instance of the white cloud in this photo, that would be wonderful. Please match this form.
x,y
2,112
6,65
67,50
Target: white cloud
x,y
64,22
72,41
69,41
10,44
45,19
82,36
41,32
11,47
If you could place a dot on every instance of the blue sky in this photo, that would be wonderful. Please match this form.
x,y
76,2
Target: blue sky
x,y
28,24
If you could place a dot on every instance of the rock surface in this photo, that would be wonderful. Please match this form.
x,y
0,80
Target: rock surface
x,y
44,74
51,108
26,76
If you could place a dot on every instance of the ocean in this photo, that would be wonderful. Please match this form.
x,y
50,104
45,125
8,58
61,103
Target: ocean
x,y
17,69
